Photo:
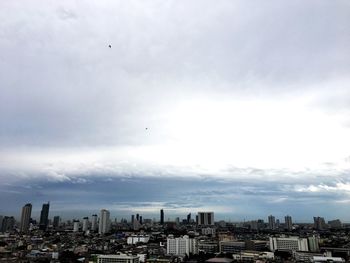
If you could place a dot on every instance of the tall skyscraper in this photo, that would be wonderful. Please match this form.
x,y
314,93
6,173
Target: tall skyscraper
x,y
85,224
189,218
25,218
205,218
44,217
272,222
161,217
94,223
104,223
288,222
76,225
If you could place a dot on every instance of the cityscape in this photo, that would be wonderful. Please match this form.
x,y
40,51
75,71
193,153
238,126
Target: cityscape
x,y
196,237
174,131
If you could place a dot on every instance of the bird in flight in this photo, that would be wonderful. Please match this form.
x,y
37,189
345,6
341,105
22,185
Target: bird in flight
x,y
110,46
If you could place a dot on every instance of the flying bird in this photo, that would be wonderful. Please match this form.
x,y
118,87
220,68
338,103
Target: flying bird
x,y
110,46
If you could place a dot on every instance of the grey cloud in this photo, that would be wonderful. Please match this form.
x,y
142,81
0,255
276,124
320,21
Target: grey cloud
x,y
61,83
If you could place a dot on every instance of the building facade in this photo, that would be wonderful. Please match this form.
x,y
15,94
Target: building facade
x,y
181,246
206,218
104,224
25,218
288,244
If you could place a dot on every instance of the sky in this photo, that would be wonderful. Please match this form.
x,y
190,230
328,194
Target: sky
x,y
237,107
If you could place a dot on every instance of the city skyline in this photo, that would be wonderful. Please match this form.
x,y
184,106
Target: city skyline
x,y
163,217
242,108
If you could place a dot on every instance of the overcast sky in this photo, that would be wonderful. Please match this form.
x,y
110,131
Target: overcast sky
x,y
237,107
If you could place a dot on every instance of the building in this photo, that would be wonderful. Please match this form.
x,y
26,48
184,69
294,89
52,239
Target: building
x,y
104,224
288,244
253,256
161,217
272,222
318,259
209,231
120,258
44,217
231,246
25,218
134,239
336,224
319,223
256,245
85,224
94,223
208,246
205,218
181,246
8,222
313,243
189,218
75,225
56,221
288,224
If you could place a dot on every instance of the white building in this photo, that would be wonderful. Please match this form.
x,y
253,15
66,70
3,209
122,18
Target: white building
x,y
181,245
121,258
85,224
134,239
206,218
327,259
209,231
104,224
252,256
75,225
288,243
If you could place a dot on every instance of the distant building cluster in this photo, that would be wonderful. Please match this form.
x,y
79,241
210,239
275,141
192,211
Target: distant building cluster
x,y
99,239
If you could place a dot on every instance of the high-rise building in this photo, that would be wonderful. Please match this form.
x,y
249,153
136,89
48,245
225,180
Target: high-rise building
x,y
161,217
138,217
288,222
272,222
206,218
25,218
132,219
44,217
94,223
104,224
85,224
8,222
141,220
189,218
75,225
319,223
